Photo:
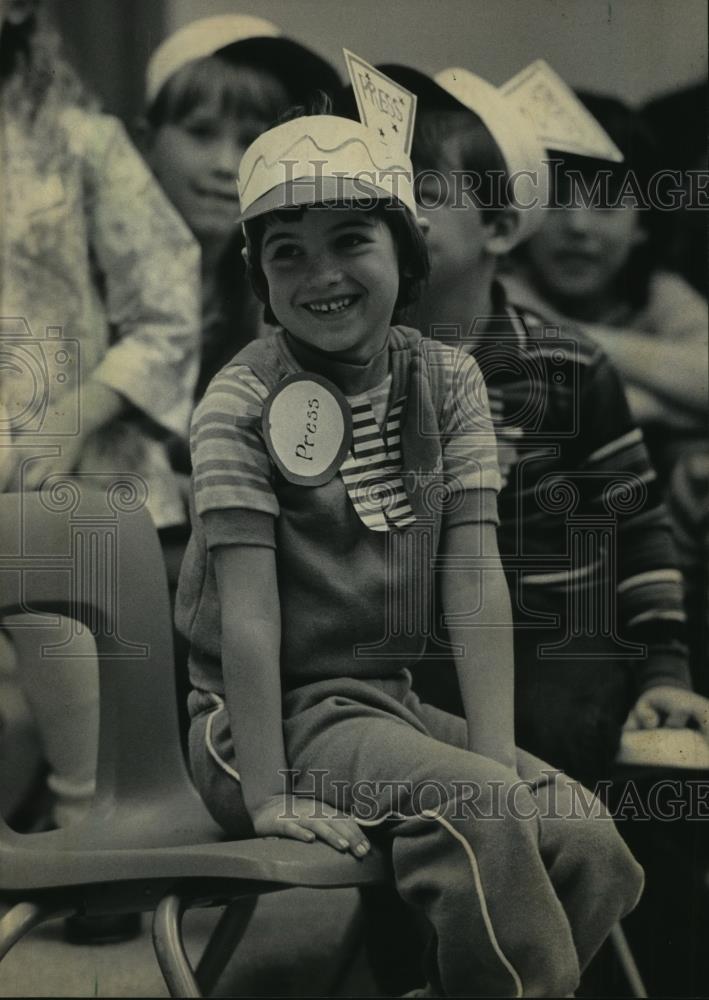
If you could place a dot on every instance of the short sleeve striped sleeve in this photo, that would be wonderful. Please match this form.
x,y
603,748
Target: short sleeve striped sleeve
x,y
468,441
231,467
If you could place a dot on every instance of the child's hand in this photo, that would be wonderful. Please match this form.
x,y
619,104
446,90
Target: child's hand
x,y
306,819
671,707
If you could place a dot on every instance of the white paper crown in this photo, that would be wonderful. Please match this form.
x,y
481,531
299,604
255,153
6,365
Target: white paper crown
x,y
321,158
560,119
202,38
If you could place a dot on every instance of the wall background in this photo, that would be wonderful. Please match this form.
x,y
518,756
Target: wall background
x,y
633,48
636,49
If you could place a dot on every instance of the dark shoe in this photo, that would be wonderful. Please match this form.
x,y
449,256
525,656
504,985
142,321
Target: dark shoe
x,y
103,930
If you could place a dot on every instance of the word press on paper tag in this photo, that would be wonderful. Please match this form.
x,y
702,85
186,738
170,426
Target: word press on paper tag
x,y
383,105
561,120
307,425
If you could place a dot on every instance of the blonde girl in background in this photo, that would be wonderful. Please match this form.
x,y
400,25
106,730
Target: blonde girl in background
x,y
212,87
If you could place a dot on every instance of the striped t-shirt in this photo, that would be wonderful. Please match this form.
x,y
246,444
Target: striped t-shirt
x,y
335,576
232,468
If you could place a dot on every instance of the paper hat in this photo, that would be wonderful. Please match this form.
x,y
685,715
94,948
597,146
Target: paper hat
x,y
300,68
560,119
321,158
533,112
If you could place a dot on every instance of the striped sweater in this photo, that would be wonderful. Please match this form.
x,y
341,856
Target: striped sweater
x,y
584,536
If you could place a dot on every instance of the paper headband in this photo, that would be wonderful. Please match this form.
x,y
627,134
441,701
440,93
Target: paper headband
x,y
208,35
321,158
199,39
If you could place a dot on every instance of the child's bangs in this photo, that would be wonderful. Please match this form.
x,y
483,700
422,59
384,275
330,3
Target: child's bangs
x,y
229,88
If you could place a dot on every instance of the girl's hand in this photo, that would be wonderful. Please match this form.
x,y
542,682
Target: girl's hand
x,y
307,819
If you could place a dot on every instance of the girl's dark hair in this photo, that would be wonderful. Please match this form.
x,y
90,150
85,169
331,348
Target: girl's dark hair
x,y
411,248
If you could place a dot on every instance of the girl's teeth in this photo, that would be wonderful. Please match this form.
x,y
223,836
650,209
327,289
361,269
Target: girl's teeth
x,y
334,306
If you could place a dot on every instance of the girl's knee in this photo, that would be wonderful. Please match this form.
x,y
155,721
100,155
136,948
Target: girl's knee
x,y
594,845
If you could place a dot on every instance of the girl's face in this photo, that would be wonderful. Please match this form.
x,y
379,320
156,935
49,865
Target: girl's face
x,y
196,161
579,253
333,279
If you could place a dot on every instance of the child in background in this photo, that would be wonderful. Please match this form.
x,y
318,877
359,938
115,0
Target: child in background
x,y
688,504
561,418
286,582
570,706
91,250
597,265
212,87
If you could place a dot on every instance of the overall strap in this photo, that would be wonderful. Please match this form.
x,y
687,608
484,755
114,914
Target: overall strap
x,y
264,358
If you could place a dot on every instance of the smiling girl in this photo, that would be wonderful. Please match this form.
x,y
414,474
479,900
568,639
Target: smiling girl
x,y
597,262
297,579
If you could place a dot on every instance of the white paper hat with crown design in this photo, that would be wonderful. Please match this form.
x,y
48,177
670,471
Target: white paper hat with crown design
x,y
533,112
325,158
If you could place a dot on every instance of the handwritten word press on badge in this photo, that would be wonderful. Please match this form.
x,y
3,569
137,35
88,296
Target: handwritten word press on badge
x,y
307,427
383,105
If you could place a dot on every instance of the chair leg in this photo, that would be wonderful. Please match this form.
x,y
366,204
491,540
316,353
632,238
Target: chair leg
x,y
170,949
224,940
20,919
627,961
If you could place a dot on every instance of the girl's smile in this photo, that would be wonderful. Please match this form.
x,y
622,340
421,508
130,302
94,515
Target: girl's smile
x,y
333,278
330,308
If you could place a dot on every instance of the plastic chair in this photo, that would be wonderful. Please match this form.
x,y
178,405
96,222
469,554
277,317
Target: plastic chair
x,y
147,843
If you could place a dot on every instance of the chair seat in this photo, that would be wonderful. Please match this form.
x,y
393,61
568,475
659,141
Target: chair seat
x,y
273,859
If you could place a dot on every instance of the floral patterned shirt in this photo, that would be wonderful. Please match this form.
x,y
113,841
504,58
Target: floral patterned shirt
x,y
99,278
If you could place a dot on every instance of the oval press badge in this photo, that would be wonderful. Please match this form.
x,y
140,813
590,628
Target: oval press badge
x,y
307,425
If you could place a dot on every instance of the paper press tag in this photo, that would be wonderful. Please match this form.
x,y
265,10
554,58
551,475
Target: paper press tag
x,y
307,425
384,106
560,119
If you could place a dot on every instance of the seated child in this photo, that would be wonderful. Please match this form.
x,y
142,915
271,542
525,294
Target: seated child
x,y
304,724
598,264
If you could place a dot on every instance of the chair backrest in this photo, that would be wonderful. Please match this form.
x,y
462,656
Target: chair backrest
x,y
95,557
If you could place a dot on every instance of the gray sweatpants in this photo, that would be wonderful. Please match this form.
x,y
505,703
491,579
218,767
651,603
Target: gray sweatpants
x,y
520,880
